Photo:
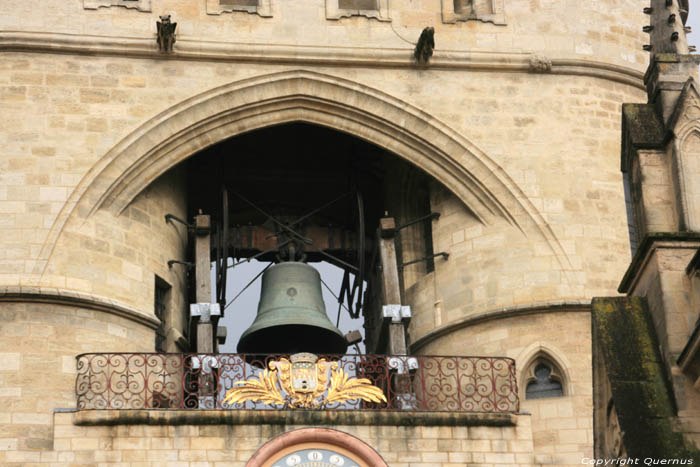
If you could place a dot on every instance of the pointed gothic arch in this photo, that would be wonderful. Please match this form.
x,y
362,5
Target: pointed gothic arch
x,y
372,115
539,353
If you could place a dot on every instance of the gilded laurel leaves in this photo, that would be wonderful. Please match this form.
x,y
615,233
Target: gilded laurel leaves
x,y
344,389
264,389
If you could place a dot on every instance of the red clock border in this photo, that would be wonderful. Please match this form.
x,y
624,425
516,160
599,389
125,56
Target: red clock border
x,y
317,435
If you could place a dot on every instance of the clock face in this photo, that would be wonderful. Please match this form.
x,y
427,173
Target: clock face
x,y
314,458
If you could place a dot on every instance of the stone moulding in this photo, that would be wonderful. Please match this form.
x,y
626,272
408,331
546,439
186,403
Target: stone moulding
x,y
313,55
333,11
500,313
263,8
75,299
646,248
140,5
290,417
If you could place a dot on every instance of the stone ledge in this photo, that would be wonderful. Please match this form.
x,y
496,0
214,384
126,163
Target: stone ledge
x,y
189,49
650,242
290,417
50,295
501,313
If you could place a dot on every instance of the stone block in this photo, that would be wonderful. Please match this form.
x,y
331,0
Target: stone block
x,y
499,458
129,443
31,419
94,96
192,455
23,457
8,444
434,457
476,445
9,361
159,443
408,456
449,445
108,456
484,432
459,457
421,445
84,444
207,443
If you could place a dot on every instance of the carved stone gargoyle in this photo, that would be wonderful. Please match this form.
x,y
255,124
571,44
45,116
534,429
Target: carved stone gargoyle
x,y
424,47
166,34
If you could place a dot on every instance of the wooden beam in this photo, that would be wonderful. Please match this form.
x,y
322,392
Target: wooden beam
x,y
202,258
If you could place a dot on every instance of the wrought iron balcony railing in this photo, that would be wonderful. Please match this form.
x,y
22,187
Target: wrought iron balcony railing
x,y
203,381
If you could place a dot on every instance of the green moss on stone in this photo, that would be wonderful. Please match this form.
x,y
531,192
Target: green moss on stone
x,y
638,378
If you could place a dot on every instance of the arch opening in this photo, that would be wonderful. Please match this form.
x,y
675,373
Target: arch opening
x,y
168,140
543,378
303,192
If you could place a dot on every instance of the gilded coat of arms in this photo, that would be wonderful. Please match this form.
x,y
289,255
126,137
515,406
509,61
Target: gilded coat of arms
x,y
303,382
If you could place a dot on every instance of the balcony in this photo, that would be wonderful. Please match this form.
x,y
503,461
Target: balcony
x,y
108,381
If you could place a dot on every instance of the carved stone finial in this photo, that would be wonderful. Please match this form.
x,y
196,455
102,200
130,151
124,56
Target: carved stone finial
x,y
540,64
166,34
667,32
424,47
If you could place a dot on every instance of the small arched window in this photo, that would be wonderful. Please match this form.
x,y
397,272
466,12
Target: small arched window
x,y
543,379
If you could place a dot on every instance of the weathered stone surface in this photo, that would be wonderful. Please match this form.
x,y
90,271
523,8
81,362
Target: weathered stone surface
x,y
641,388
517,119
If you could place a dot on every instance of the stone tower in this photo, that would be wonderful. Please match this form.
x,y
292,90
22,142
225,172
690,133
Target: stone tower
x,y
478,185
645,349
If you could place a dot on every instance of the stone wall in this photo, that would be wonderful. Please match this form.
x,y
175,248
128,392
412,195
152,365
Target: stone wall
x,y
203,441
518,123
608,30
40,335
562,426
570,230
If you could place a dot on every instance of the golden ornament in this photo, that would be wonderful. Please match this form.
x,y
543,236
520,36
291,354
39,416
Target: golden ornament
x,y
303,383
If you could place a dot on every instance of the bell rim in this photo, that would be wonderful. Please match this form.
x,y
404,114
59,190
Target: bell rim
x,y
336,341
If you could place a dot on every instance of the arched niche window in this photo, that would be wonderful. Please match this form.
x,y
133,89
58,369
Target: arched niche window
x,y
543,379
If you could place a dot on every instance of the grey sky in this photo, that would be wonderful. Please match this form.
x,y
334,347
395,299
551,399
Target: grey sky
x,y
242,312
694,22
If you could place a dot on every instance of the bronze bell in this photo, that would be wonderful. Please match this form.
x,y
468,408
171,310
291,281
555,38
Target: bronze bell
x,y
291,315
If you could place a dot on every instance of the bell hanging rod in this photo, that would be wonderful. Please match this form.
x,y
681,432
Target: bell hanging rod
x,y
269,250
247,285
306,240
444,254
339,299
431,216
337,260
320,208
314,211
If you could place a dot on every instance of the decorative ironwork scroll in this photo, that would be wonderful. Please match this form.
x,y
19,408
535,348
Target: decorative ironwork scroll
x,y
205,381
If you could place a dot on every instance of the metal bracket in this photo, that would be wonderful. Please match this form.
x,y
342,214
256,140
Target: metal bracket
x,y
221,334
353,337
444,254
184,263
431,216
397,313
173,217
204,311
